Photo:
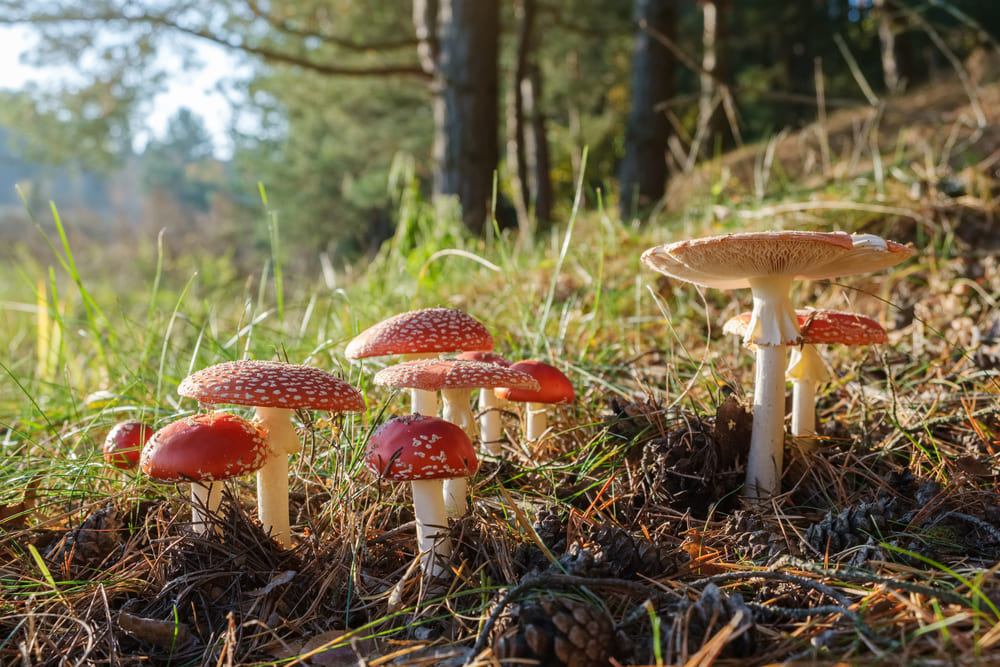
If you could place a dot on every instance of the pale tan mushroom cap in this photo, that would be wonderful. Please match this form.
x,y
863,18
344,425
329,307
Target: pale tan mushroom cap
x,y
438,374
731,261
271,384
431,330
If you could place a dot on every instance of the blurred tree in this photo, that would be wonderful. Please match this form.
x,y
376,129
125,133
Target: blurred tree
x,y
182,162
644,167
332,38
459,42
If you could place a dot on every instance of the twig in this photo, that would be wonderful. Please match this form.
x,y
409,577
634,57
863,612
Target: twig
x,y
848,573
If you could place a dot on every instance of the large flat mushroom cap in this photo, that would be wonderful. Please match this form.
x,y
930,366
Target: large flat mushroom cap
x,y
418,447
731,261
271,384
430,330
206,448
438,374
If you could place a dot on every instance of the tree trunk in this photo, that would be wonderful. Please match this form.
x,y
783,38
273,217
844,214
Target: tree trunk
x,y
527,143
887,42
537,146
644,165
459,40
524,12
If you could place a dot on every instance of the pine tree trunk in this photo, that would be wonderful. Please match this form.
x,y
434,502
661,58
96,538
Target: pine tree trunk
x,y
465,105
887,42
644,166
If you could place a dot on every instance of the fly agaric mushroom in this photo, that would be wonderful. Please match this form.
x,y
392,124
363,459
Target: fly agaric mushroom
x,y
275,389
768,263
490,430
806,368
554,388
123,444
423,451
455,379
421,334
204,450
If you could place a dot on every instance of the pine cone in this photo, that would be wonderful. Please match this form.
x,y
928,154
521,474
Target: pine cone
x,y
688,469
688,625
853,526
552,533
713,610
753,539
559,631
613,552
89,545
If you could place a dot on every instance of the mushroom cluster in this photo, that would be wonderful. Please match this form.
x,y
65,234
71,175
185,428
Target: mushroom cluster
x,y
768,263
436,455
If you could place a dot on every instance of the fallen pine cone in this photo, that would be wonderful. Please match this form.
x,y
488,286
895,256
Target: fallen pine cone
x,y
559,631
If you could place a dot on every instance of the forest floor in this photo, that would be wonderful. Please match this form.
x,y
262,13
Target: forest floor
x,y
621,538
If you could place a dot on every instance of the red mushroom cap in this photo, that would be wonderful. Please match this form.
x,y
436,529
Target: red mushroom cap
x,y
271,384
819,327
124,442
208,448
555,387
418,447
438,374
431,330
834,326
483,355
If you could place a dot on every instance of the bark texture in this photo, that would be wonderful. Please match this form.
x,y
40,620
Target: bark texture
x,y
644,166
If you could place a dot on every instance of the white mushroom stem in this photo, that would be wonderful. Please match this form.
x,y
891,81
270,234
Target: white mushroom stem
x,y
490,429
773,325
773,320
458,410
807,371
272,478
767,438
536,421
205,500
422,401
432,525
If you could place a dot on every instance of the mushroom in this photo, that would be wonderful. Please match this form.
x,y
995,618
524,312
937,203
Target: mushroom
x,y
423,451
806,368
275,389
490,429
455,379
768,263
204,450
123,444
554,388
421,334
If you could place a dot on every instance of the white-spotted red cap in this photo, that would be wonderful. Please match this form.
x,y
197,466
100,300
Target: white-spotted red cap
x,y
731,261
417,447
271,384
431,330
823,327
124,442
207,448
438,374
483,355
555,387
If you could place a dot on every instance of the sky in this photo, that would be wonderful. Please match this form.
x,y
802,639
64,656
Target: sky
x,y
199,90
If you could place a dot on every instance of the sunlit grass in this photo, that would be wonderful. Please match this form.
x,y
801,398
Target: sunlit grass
x,y
91,340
